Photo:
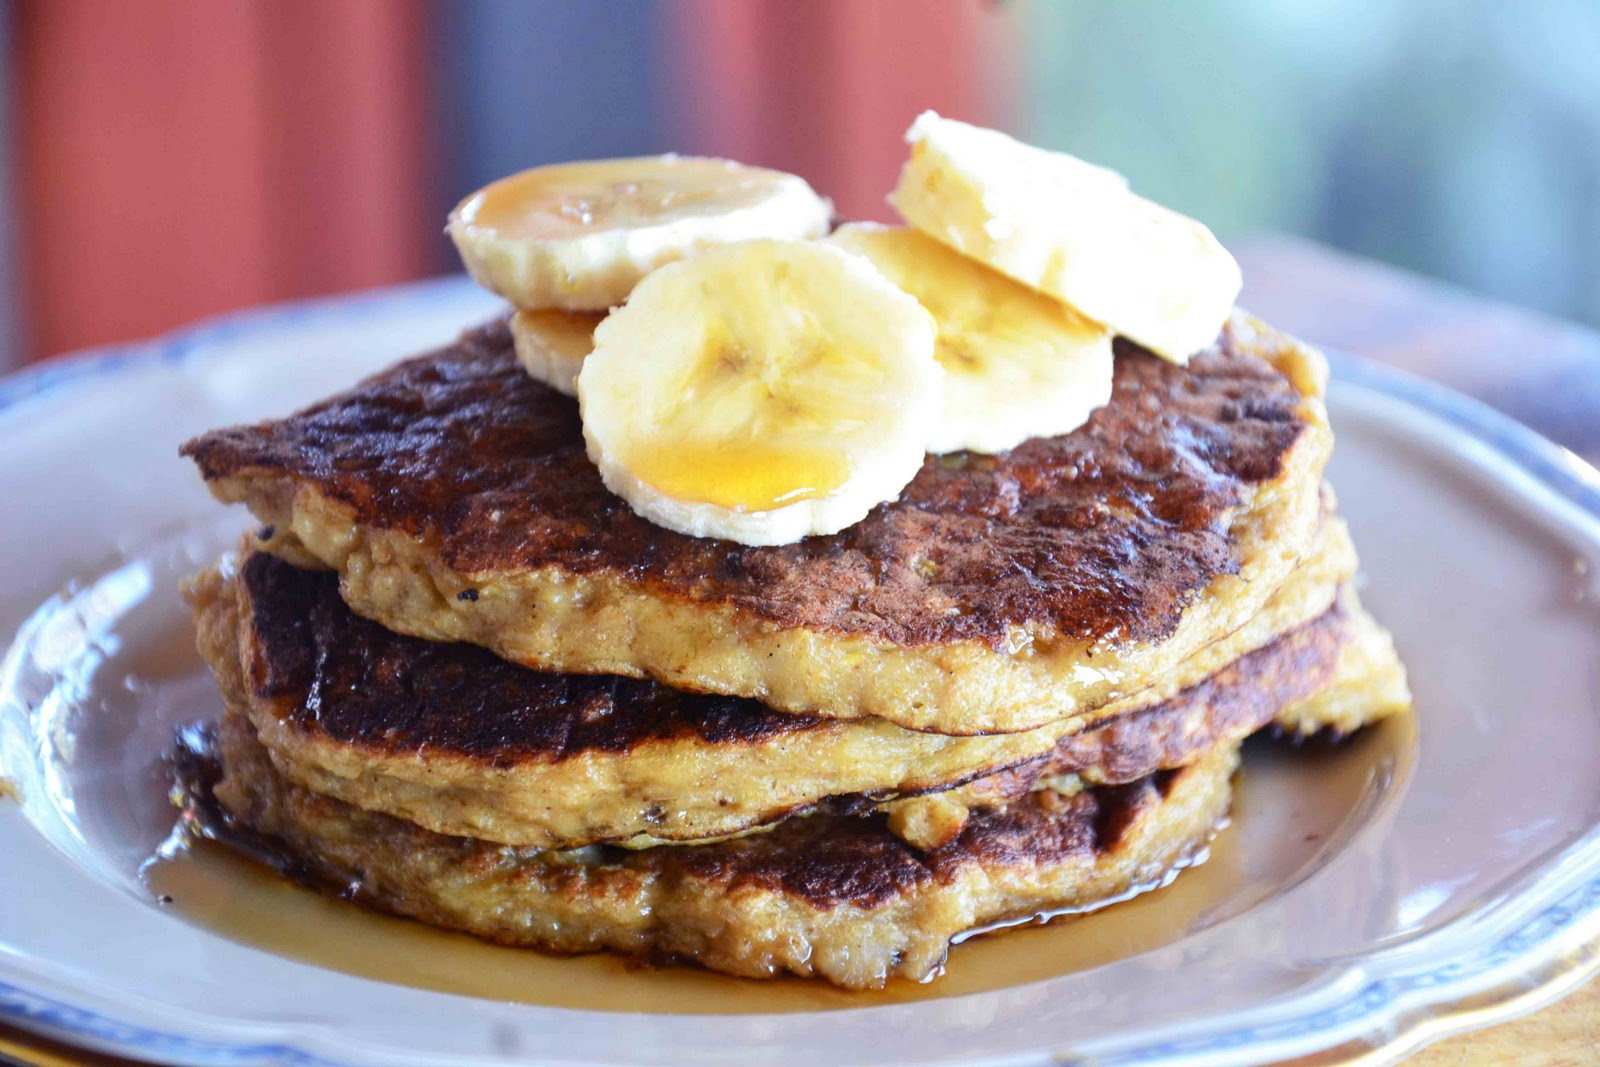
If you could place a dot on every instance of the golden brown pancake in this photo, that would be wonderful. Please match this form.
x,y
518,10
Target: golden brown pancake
x,y
838,897
1302,684
996,594
1370,685
457,740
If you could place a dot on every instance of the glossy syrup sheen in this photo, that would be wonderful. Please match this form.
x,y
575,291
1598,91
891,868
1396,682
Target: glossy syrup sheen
x,y
249,903
571,199
746,476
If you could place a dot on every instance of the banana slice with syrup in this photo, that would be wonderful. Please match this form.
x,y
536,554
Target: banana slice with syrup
x,y
761,392
552,345
579,236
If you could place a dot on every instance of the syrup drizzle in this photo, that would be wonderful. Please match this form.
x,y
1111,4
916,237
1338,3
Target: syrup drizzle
x,y
238,885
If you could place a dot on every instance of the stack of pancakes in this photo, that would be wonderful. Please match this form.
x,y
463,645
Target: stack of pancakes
x,y
467,684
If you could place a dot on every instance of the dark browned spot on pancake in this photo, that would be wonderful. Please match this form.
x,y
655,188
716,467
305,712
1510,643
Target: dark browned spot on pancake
x,y
1105,533
829,860
1121,805
358,683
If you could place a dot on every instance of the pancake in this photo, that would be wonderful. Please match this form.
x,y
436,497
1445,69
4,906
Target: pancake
x,y
461,742
1302,683
1370,685
837,897
996,594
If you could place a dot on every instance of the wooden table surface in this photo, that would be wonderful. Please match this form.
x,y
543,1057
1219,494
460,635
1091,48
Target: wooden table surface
x,y
1542,372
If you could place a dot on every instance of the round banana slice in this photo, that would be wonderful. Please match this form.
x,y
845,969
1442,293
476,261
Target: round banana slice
x,y
1071,230
579,236
761,392
1017,363
551,345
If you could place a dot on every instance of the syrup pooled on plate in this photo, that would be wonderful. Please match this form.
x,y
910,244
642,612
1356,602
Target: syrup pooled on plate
x,y
202,873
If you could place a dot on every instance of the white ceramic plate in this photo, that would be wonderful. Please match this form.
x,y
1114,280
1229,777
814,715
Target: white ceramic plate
x,y
1364,901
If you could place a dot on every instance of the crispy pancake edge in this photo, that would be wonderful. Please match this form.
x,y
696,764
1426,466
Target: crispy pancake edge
x,y
1362,683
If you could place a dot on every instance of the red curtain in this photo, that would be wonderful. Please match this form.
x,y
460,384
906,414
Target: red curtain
x,y
826,88
177,159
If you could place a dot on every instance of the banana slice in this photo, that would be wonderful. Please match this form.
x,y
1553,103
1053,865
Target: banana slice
x,y
1069,229
551,345
761,392
579,236
1017,363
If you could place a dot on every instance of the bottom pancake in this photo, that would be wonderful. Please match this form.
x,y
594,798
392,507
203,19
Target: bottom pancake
x,y
837,897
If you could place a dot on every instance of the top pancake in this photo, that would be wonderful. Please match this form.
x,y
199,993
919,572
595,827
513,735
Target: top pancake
x,y
996,594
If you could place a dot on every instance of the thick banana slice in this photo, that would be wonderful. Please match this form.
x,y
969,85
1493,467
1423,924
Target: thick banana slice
x,y
761,392
1017,363
1069,229
579,236
552,345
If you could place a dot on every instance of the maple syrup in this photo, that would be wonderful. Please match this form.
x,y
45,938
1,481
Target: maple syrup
x,y
247,901
754,476
568,200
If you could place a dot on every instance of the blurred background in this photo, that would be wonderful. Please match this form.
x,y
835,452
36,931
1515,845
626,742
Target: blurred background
x,y
164,160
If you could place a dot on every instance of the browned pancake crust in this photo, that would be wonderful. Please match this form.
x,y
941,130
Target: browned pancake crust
x,y
1105,533
357,683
